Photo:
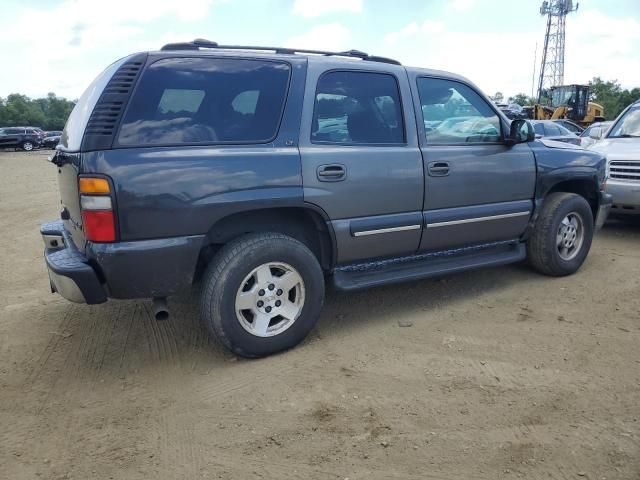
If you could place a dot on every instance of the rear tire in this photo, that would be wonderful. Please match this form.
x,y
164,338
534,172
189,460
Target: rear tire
x,y
262,293
562,235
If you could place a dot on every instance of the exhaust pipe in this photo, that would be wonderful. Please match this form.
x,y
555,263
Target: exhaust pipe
x,y
160,308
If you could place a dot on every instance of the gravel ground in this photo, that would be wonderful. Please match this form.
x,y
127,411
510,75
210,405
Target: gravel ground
x,y
492,374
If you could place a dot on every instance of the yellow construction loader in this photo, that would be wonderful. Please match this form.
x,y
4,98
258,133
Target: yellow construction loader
x,y
570,102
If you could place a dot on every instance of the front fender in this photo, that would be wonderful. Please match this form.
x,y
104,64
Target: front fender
x,y
563,168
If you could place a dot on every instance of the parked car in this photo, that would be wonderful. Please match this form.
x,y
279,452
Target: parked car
x,y
266,173
20,137
593,133
569,125
621,145
51,139
39,132
553,131
513,111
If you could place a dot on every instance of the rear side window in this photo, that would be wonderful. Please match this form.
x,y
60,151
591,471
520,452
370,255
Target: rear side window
x,y
552,130
538,128
563,130
206,100
357,107
570,127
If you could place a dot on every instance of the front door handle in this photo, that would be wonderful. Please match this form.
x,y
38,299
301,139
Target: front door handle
x,y
331,173
438,169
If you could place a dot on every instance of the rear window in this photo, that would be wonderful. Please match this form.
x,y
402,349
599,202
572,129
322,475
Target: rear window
x,y
206,100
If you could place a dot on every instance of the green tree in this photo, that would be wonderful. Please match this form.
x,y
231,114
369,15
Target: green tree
x,y
49,113
611,96
522,99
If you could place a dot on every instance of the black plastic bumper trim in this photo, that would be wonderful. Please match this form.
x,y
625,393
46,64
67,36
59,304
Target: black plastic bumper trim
x,y
70,274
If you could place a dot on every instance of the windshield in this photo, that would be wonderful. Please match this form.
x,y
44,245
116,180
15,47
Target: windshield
x,y
628,125
562,96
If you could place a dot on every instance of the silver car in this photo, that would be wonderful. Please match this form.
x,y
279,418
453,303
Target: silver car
x,y
621,146
594,133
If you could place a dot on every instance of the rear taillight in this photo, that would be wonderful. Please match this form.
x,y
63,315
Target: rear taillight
x,y
98,219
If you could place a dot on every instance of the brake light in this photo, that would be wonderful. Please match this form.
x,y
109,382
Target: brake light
x,y
99,226
98,218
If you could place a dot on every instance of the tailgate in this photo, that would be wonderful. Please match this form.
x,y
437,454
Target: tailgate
x,y
68,168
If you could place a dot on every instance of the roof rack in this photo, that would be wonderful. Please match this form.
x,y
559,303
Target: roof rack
x,y
199,43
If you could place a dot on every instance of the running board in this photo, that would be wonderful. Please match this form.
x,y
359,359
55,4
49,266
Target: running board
x,y
416,267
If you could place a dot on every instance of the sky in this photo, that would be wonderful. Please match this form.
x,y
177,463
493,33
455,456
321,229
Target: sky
x,y
61,45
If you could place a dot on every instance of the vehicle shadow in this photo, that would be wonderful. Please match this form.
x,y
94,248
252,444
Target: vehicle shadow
x,y
346,311
122,337
621,225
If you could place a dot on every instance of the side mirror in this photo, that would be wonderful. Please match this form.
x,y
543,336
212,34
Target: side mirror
x,y
595,133
521,131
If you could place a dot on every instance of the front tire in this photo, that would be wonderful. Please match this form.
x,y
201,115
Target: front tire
x,y
562,235
27,146
262,293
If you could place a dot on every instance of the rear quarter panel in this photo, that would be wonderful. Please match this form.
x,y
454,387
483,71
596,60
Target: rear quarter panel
x,y
177,191
183,190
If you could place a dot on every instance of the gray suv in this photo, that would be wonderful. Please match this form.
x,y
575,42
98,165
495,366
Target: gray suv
x,y
24,138
267,173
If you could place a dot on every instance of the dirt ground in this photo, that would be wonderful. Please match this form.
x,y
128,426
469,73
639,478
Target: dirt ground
x,y
493,374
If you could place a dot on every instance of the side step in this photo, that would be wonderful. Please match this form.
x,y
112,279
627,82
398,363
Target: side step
x,y
395,270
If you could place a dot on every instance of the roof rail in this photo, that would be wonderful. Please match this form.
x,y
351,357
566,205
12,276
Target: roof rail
x,y
199,43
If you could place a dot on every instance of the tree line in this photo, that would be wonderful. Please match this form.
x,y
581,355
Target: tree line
x,y
48,113
608,93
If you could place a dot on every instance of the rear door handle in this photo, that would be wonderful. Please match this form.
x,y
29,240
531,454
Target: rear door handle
x,y
334,172
438,169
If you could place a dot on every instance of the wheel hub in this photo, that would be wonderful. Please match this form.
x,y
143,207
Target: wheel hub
x,y
270,299
570,236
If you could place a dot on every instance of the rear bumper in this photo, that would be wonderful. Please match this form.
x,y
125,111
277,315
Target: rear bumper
x,y
69,271
139,269
604,207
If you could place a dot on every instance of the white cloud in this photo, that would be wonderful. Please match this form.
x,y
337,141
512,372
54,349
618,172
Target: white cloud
x,y
315,8
497,60
69,55
329,36
428,26
600,45
462,5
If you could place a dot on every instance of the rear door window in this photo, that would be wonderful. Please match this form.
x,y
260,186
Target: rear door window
x,y
206,100
357,108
